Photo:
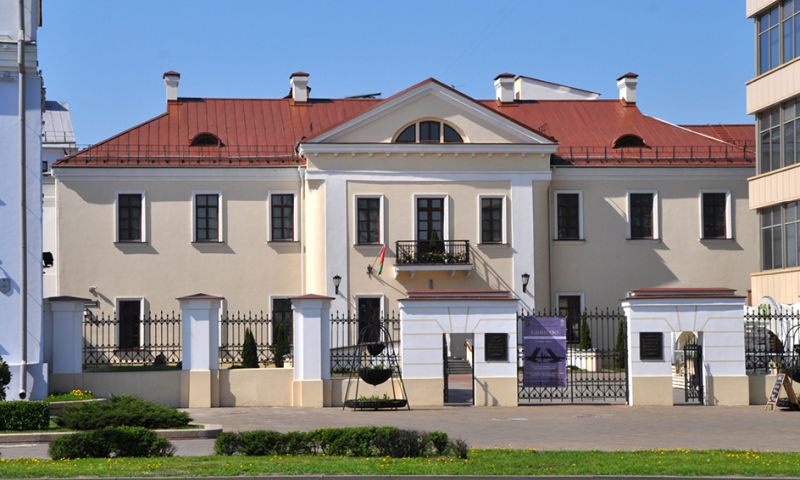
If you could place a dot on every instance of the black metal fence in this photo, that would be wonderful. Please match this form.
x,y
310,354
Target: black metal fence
x,y
345,332
154,339
771,339
596,364
427,252
273,336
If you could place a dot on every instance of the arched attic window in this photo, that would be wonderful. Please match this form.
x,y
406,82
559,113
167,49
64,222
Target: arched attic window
x,y
428,131
630,140
206,139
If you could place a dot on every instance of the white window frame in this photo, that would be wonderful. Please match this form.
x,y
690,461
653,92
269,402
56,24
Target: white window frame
x,y
656,214
503,218
441,122
295,209
220,214
556,193
381,223
728,214
117,300
116,215
445,220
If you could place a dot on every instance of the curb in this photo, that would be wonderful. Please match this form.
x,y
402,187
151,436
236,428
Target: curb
x,y
208,431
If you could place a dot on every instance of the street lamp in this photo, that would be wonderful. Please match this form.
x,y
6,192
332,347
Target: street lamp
x,y
336,281
526,277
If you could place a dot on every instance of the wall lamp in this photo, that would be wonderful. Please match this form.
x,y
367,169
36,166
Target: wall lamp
x,y
336,281
526,277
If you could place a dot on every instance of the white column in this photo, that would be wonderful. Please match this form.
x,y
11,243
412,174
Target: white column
x,y
65,318
336,238
200,335
312,360
522,237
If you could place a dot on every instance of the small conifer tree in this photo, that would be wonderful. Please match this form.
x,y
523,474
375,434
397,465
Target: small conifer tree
x,y
249,351
622,351
5,378
281,344
585,340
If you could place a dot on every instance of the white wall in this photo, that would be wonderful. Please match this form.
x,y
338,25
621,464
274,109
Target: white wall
x,y
10,258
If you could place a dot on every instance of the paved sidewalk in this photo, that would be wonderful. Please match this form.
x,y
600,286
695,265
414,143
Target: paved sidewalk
x,y
569,427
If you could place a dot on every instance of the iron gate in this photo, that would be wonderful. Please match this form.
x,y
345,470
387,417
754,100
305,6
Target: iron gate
x,y
693,372
596,360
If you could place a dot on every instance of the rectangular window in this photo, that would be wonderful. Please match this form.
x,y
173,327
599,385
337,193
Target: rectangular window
x,y
641,215
130,318
282,318
282,217
778,40
369,319
568,216
569,307
771,238
715,206
129,217
206,217
368,212
495,348
491,220
791,227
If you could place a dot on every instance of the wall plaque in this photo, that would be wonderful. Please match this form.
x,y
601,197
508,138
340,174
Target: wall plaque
x,y
651,346
496,347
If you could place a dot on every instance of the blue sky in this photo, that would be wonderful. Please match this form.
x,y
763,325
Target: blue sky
x,y
106,57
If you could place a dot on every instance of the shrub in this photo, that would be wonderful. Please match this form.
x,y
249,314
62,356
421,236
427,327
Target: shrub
x,y
24,415
227,443
353,442
112,441
5,378
622,351
121,411
585,340
249,351
281,344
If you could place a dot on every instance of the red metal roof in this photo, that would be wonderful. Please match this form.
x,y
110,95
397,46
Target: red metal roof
x,y
586,130
265,132
744,134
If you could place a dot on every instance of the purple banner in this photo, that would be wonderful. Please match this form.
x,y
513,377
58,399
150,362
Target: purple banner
x,y
544,348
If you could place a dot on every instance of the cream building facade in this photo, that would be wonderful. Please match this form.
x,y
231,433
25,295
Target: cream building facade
x,y
772,96
512,194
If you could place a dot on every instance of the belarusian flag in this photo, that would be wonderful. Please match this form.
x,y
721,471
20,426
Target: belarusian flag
x,y
381,258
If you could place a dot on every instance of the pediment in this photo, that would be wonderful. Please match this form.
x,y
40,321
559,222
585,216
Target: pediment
x,y
431,100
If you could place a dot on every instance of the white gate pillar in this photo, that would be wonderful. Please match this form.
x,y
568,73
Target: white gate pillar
x,y
312,359
64,334
200,315
715,315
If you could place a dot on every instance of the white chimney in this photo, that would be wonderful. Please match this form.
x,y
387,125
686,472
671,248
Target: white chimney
x,y
504,88
627,87
171,80
299,86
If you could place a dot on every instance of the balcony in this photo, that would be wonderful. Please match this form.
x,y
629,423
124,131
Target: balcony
x,y
432,255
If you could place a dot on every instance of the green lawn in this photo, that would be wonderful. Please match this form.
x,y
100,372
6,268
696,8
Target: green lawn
x,y
481,462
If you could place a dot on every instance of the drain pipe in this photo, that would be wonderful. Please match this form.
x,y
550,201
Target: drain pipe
x,y
23,218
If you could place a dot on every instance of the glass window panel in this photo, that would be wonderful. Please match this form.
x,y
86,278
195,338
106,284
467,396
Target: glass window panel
x,y
776,148
714,215
788,43
451,136
409,135
774,16
763,52
429,132
568,216
766,249
774,48
791,212
777,242
788,143
641,205
791,245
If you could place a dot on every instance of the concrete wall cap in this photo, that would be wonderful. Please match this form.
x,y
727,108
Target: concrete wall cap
x,y
201,296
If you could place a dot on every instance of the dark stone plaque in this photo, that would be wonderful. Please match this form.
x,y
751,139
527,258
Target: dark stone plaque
x,y
496,347
651,346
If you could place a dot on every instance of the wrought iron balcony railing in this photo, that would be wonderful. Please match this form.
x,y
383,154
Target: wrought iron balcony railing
x,y
432,252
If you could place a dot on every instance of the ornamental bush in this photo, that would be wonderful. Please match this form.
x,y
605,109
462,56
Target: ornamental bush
x,y
121,411
281,344
622,351
112,441
585,339
249,350
24,415
5,378
353,442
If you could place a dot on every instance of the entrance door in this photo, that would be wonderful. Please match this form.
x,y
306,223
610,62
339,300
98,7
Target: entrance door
x,y
430,225
369,319
129,321
459,373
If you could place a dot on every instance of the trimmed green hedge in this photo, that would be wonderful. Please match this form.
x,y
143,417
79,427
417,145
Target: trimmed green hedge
x,y
353,442
121,411
22,415
112,441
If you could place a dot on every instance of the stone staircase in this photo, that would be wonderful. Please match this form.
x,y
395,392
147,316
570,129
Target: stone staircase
x,y
458,366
